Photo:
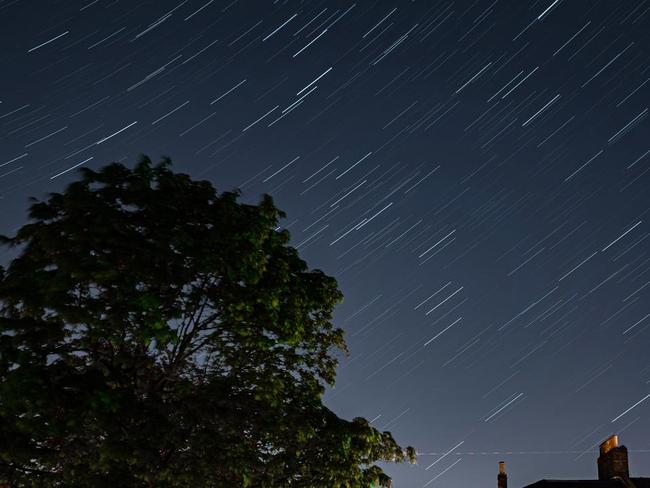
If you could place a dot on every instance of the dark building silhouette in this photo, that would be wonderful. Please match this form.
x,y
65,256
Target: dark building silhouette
x,y
613,472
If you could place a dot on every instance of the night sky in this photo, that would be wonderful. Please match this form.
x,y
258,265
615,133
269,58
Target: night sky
x,y
475,174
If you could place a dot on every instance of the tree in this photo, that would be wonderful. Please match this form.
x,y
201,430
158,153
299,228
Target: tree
x,y
155,333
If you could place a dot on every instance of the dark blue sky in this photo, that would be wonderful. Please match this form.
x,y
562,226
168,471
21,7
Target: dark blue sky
x,y
475,175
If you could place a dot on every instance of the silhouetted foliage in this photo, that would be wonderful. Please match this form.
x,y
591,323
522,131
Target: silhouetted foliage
x,y
156,333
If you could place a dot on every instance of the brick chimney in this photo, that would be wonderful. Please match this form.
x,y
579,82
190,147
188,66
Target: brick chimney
x,y
502,477
612,461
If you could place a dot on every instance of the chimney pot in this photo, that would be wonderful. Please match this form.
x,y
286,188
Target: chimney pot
x,y
502,477
608,444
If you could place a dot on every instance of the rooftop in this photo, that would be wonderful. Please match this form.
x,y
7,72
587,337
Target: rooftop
x,y
610,483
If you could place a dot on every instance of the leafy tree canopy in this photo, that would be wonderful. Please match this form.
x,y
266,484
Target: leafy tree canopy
x,y
155,333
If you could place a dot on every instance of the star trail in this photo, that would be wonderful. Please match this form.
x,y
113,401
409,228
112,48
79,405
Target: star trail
x,y
475,175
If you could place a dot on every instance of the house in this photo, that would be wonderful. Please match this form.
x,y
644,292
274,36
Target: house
x,y
613,472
